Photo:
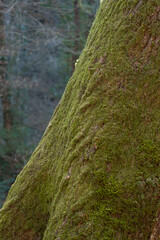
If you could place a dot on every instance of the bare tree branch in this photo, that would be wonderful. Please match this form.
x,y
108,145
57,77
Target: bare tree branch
x,y
10,8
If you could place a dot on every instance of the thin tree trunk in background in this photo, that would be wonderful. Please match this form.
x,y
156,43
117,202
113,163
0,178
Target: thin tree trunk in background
x,y
6,109
4,88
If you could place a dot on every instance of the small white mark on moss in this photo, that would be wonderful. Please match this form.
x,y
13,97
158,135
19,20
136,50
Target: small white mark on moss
x,y
76,62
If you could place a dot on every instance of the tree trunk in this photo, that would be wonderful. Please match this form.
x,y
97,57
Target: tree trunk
x,y
4,88
95,173
156,230
6,109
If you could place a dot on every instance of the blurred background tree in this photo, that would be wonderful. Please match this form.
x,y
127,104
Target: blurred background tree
x,y
39,43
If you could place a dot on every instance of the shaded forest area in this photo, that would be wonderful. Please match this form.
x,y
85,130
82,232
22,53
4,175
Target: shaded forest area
x,y
39,43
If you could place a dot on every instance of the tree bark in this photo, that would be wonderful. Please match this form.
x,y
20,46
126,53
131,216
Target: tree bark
x,y
95,173
156,230
6,110
4,88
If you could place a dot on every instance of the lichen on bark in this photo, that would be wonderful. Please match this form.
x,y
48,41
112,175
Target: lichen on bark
x,y
95,173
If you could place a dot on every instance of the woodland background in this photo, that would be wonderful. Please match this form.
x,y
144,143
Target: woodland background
x,y
39,43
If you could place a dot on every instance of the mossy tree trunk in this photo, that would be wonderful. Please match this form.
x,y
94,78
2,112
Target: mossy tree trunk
x,y
95,173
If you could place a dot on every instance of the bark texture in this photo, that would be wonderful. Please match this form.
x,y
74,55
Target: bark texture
x,y
95,173
4,88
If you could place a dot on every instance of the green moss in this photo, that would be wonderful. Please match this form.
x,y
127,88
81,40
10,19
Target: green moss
x,y
95,173
123,204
